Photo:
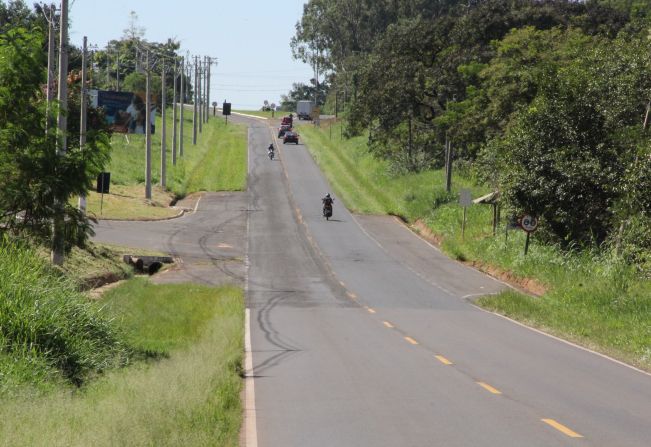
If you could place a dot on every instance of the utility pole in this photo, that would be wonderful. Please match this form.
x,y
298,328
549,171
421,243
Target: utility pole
x,y
147,129
62,125
174,126
163,135
108,70
210,63
200,91
182,106
117,73
83,124
206,110
196,97
51,67
448,165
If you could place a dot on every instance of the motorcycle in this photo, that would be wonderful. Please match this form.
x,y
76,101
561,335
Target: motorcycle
x,y
271,155
327,210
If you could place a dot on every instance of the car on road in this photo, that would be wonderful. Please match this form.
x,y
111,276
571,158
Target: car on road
x,y
282,129
290,137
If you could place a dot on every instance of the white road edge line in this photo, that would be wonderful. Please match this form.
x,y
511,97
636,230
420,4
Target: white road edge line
x,y
251,434
250,116
567,342
583,348
416,235
250,422
196,205
423,277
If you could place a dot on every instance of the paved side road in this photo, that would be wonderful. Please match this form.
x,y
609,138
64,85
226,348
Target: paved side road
x,y
208,244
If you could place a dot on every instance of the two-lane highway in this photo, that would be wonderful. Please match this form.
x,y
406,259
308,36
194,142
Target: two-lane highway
x,y
356,343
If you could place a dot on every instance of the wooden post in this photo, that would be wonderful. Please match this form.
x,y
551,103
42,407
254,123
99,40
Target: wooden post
x,y
463,225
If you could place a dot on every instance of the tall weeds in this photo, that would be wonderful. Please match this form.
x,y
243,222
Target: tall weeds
x,y
46,323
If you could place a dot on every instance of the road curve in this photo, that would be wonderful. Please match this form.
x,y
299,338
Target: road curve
x,y
361,336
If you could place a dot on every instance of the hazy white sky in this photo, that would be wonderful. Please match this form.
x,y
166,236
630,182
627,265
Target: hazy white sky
x,y
250,38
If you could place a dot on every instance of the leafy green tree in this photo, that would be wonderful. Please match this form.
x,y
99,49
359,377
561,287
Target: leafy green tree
x,y
573,155
34,178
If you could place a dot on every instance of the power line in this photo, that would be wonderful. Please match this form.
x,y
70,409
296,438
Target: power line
x,y
253,90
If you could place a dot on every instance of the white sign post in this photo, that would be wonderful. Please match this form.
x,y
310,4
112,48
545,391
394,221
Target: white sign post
x,y
465,200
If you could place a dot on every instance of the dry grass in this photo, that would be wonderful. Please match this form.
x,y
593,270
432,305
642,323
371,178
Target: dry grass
x,y
128,202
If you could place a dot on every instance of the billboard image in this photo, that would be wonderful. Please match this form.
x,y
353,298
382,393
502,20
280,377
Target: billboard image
x,y
124,111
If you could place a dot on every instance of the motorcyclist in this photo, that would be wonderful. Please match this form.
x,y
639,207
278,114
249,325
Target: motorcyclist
x,y
327,200
270,151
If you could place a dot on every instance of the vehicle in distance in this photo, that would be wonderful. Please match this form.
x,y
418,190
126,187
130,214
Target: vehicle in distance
x,y
304,110
288,120
282,129
290,137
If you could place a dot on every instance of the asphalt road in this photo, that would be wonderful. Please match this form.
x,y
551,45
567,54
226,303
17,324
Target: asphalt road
x,y
362,334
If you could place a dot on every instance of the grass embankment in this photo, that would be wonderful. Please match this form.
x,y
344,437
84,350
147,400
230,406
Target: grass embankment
x,y
216,163
63,358
591,298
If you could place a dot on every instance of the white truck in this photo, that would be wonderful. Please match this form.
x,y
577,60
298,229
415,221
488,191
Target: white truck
x,y
304,109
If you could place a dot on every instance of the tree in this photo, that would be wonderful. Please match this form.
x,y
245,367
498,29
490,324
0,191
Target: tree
x,y
575,153
33,176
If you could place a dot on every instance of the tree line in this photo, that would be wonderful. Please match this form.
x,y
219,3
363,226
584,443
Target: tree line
x,y
35,181
546,101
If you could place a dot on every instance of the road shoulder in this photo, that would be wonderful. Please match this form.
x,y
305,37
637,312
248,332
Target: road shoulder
x,y
425,260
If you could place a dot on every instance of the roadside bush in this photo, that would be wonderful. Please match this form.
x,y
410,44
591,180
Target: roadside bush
x,y
45,320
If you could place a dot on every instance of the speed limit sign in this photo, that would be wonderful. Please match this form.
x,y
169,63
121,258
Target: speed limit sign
x,y
528,223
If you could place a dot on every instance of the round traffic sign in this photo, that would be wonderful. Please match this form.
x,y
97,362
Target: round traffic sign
x,y
529,223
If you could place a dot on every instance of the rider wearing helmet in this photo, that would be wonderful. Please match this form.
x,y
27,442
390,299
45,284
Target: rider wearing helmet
x,y
327,200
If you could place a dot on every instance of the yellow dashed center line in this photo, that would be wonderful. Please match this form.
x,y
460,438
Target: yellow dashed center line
x,y
387,324
489,388
371,311
563,429
443,360
411,340
351,295
343,284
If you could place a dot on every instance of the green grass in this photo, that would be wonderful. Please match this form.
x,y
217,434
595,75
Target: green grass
x,y
50,334
216,163
217,144
592,297
128,202
189,397
96,263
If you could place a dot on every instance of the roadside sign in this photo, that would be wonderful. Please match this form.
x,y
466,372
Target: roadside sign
x,y
465,200
465,197
512,222
529,223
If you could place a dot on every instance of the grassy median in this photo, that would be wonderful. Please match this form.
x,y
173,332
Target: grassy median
x,y
590,297
216,163
182,386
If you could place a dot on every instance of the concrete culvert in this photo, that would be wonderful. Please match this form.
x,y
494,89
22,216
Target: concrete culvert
x,y
154,267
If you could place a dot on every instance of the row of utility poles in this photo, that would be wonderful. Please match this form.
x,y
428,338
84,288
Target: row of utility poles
x,y
200,103
180,67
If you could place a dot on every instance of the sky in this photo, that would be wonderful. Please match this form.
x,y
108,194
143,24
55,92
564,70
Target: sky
x,y
249,38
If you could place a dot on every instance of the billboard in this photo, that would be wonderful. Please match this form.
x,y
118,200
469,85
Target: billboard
x,y
124,111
